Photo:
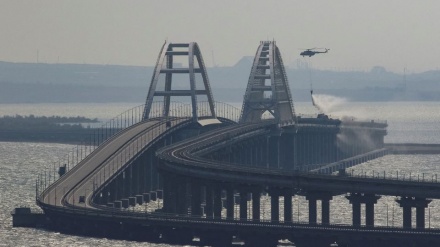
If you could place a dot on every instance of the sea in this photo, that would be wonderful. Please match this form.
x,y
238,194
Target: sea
x,y
408,122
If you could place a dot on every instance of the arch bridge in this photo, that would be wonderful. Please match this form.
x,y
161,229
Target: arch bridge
x,y
201,169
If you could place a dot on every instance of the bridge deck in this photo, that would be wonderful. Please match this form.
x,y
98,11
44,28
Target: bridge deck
x,y
107,160
184,158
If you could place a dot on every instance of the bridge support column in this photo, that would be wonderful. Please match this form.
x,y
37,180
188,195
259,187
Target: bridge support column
x,y
287,207
289,151
420,217
243,205
274,206
263,152
242,157
325,198
260,153
356,213
246,152
119,185
312,211
273,147
233,155
146,197
407,203
112,189
129,180
154,176
356,199
255,153
209,208
230,203
181,196
406,216
140,199
196,199
295,152
217,202
255,205
136,171
124,185
169,191
148,171
369,213
105,196
141,175
325,207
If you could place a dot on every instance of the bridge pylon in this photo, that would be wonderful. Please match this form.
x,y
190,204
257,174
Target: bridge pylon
x,y
268,89
174,60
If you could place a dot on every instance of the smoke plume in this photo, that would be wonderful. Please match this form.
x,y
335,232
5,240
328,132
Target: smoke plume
x,y
326,103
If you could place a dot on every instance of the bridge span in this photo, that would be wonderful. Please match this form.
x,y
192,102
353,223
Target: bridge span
x,y
186,173
106,161
209,167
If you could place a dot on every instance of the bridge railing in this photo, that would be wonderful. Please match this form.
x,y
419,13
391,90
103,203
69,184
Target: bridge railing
x,y
353,119
64,164
113,127
398,176
388,175
382,175
371,174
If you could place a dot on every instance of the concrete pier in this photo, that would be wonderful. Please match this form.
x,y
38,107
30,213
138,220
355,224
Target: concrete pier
x,y
24,217
325,198
407,203
356,199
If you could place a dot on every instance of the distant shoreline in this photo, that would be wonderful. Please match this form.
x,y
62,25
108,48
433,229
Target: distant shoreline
x,y
54,129
88,83
41,141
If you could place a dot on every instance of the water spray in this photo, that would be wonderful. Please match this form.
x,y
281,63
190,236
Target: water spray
x,y
314,103
327,103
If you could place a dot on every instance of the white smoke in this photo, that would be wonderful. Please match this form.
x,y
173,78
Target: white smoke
x,y
339,108
328,104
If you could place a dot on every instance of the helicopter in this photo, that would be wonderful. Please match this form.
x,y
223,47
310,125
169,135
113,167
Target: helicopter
x,y
312,51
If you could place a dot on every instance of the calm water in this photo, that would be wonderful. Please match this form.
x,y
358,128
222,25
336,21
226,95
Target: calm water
x,y
417,122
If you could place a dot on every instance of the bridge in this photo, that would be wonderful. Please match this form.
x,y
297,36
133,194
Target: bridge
x,y
192,165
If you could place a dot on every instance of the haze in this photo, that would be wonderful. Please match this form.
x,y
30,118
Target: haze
x,y
361,34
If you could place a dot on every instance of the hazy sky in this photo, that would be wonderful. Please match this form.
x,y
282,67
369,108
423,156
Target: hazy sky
x,y
361,34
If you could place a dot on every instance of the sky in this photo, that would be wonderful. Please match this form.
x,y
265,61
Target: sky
x,y
395,34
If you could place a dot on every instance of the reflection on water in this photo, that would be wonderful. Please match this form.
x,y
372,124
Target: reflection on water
x,y
19,164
